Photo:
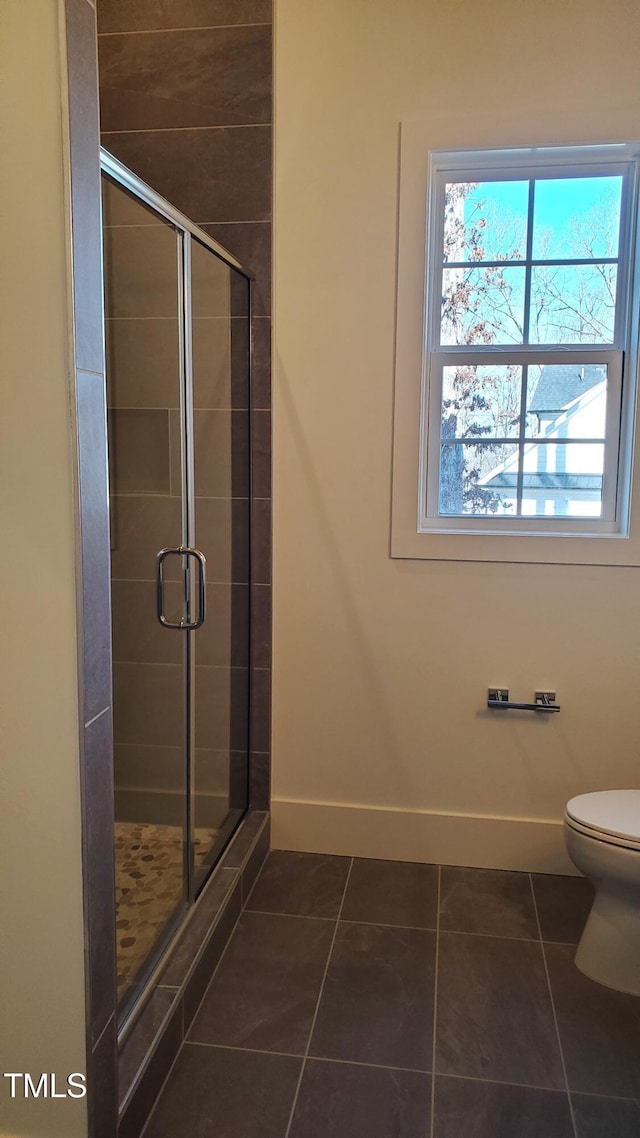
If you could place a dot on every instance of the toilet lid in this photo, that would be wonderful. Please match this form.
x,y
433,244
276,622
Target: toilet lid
x,y
614,812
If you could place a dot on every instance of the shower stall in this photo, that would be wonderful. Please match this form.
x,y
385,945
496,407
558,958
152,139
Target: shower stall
x,y
177,316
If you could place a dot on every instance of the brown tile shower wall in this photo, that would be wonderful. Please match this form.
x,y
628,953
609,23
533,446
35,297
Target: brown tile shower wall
x,y
186,102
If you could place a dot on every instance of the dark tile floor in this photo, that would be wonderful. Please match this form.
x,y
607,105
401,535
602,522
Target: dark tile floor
x,y
374,999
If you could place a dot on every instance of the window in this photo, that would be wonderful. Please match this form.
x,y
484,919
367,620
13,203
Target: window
x,y
529,343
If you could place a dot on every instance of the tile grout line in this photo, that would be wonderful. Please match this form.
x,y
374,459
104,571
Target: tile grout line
x,y
222,410
142,319
409,928
318,1058
553,1008
118,226
95,718
318,1001
309,917
212,126
200,498
164,1083
256,878
195,28
607,1098
247,222
503,1083
409,1070
432,1119
184,1039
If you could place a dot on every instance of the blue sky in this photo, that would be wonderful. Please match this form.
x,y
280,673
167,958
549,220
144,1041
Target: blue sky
x,y
557,203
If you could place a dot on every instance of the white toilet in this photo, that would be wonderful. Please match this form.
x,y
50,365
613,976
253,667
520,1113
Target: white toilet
x,y
602,833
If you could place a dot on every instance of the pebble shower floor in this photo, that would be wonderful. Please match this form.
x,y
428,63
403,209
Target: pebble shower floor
x,y
149,887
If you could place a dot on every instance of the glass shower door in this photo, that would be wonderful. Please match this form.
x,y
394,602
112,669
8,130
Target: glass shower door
x,y
143,255
219,651
177,335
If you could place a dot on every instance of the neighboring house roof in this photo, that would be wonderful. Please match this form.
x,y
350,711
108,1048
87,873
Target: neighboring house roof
x,y
560,384
504,476
543,480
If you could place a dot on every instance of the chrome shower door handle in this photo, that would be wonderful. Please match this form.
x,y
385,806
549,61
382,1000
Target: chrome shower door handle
x,y
186,624
201,562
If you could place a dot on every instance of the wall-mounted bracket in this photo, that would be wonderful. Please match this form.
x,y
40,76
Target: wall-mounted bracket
x,y
544,701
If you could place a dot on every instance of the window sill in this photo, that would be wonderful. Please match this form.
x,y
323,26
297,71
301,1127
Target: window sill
x,y
556,549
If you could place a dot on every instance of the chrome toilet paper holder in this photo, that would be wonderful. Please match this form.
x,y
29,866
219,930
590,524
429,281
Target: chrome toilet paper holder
x,y
545,701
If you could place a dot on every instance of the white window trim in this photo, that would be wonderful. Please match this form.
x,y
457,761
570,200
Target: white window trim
x,y
410,536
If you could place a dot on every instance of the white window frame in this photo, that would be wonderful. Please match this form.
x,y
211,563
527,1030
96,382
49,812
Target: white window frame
x,y
425,166
431,520
517,165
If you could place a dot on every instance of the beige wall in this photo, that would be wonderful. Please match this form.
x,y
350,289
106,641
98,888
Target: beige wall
x,y
41,935
381,666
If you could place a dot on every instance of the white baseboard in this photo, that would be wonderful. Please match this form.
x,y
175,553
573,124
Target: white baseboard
x,y
406,835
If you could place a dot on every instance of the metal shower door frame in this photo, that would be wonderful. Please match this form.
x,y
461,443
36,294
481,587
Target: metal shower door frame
x,y
185,231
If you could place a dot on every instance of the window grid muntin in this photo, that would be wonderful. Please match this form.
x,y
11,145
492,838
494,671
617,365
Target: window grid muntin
x,y
535,262
524,383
